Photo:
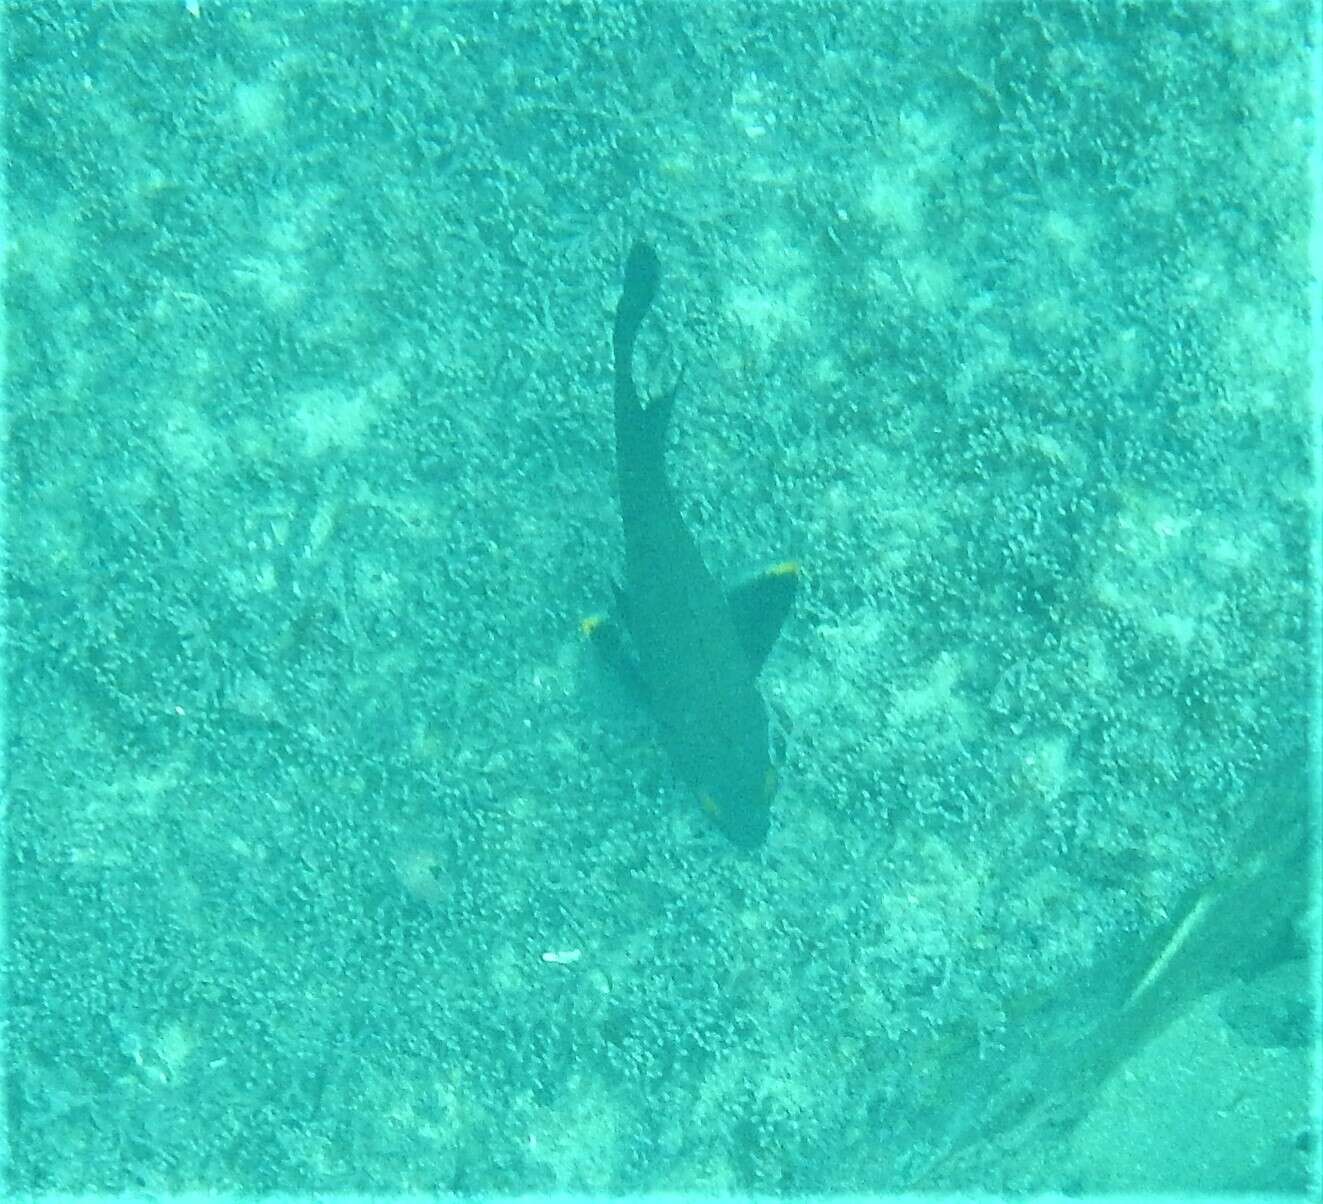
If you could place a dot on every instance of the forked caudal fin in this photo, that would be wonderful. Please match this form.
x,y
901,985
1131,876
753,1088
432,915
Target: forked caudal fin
x,y
640,430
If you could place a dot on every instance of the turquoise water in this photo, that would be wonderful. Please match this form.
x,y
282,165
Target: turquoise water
x,y
333,862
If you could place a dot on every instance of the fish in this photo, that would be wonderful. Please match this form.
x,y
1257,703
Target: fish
x,y
689,651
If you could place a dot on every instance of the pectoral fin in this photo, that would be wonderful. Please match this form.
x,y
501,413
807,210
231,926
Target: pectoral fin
x,y
609,642
759,608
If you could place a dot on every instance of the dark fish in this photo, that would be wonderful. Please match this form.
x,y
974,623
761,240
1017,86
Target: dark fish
x,y
691,652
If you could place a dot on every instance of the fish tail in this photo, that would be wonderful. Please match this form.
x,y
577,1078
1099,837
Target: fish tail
x,y
642,275
640,432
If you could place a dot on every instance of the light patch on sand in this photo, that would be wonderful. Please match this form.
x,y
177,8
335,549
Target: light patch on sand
x,y
190,441
332,421
1046,767
258,108
894,199
770,316
932,697
277,281
42,247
